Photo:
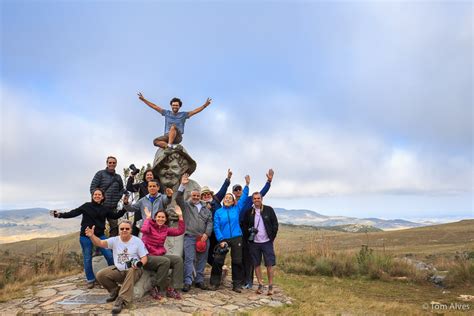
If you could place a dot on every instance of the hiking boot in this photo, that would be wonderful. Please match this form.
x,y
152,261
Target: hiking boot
x,y
270,290
173,293
201,285
259,289
186,287
237,289
178,147
113,296
118,305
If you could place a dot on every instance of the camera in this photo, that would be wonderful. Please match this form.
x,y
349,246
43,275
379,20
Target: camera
x,y
252,232
134,169
221,250
219,254
133,263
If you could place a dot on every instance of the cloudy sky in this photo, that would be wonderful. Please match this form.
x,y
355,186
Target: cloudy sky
x,y
361,108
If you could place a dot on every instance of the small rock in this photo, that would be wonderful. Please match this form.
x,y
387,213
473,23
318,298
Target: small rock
x,y
230,307
466,297
275,304
46,293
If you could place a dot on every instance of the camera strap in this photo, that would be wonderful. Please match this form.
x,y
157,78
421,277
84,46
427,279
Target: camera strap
x,y
110,184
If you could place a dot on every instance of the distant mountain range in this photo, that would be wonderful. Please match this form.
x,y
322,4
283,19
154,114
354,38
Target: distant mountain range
x,y
16,225
311,218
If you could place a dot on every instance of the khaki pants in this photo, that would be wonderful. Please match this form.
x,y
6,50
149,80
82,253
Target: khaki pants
x,y
110,277
161,265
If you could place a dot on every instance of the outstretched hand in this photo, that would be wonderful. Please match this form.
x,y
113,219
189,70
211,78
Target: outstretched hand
x,y
229,174
178,211
247,179
270,175
208,102
169,192
140,96
185,179
147,212
89,231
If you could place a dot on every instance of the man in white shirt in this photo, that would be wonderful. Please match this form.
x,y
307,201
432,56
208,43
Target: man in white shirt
x,y
130,255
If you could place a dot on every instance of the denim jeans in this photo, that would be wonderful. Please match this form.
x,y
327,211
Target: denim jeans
x,y
193,259
86,245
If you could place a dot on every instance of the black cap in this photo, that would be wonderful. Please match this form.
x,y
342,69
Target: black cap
x,y
237,186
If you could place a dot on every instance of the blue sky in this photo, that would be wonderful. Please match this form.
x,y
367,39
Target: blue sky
x,y
361,108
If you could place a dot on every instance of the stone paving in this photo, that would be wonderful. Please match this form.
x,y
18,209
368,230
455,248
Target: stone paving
x,y
70,296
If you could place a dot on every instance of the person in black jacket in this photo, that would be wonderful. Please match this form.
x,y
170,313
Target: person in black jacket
x,y
141,187
93,213
260,230
111,183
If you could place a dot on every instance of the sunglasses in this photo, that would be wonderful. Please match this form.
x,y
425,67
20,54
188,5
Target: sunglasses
x,y
239,189
124,228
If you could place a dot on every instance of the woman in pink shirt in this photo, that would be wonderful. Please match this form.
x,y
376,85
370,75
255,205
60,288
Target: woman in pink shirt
x,y
154,233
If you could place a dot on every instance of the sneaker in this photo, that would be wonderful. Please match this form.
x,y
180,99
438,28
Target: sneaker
x,y
113,296
247,286
119,304
178,147
90,285
201,285
173,294
186,287
270,290
259,289
155,293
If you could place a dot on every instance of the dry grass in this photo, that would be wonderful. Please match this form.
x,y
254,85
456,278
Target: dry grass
x,y
16,289
18,273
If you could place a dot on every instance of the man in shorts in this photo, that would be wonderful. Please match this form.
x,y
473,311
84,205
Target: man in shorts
x,y
262,227
174,121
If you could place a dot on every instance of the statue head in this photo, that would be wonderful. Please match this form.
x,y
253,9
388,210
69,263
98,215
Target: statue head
x,y
171,166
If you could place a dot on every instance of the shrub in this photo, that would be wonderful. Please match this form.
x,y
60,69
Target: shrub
x,y
461,272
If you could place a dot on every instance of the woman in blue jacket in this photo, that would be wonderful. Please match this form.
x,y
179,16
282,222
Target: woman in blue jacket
x,y
229,235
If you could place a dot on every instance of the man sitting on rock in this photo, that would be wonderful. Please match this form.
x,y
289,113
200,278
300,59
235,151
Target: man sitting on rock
x,y
174,121
130,255
198,221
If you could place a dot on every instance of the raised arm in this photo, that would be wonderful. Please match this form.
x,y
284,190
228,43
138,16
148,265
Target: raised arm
x,y
150,104
266,187
95,240
180,194
244,196
220,195
176,231
132,187
199,109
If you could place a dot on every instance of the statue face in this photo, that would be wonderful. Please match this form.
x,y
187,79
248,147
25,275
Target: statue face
x,y
170,173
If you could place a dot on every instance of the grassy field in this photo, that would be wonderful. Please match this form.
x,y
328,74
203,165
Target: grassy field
x,y
351,294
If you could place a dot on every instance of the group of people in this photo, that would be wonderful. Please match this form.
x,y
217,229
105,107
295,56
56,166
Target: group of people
x,y
242,225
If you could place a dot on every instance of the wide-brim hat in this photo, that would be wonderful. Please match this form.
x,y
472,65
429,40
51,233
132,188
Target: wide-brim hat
x,y
205,189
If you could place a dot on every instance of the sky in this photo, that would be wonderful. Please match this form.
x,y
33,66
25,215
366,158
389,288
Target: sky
x,y
362,109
